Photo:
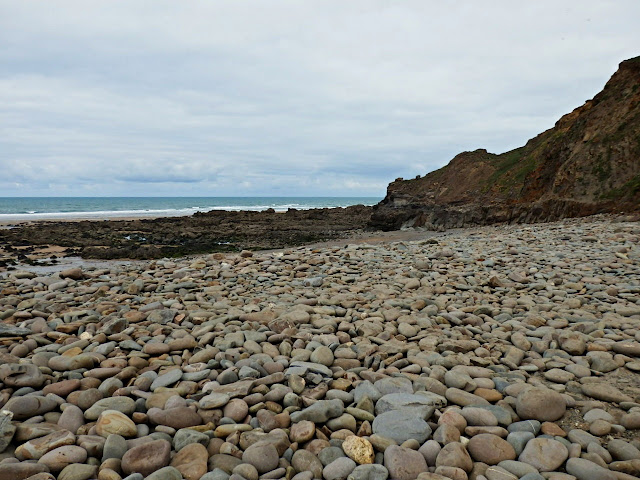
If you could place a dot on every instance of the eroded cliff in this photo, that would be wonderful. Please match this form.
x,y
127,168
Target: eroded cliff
x,y
588,163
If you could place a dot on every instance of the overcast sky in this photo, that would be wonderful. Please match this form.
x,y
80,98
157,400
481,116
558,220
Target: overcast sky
x,y
336,98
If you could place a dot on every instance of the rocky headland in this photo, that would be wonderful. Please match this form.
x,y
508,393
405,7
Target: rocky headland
x,y
494,353
214,231
588,163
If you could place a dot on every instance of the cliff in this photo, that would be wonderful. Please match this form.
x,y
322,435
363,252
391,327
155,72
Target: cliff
x,y
588,163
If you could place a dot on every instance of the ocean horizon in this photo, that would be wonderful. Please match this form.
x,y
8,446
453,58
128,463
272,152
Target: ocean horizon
x,y
44,208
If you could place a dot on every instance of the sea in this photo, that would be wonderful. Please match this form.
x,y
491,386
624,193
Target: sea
x,y
60,208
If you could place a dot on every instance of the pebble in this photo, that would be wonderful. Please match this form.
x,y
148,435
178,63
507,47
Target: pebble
x,y
333,362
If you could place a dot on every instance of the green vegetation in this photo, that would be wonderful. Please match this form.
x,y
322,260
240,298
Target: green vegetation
x,y
602,167
512,169
629,189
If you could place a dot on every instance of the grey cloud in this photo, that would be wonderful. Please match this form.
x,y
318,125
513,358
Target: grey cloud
x,y
285,97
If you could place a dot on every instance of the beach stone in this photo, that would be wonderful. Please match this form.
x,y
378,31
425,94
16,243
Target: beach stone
x,y
630,421
114,422
191,461
604,392
303,431
369,472
34,449
64,363
214,400
478,416
584,469
7,429
490,449
582,438
124,405
429,451
358,449
462,398
394,385
60,457
404,463
263,456
418,405
236,409
305,461
13,331
339,469
178,417
319,412
545,454
29,406
224,462
454,455
246,471
322,355
518,440
21,470
72,418
21,375
401,426
147,458
519,469
167,473
621,450
186,436
78,471
597,414
115,446
166,379
329,454
368,390
540,404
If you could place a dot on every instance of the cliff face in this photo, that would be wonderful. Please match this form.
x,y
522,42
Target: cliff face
x,y
588,163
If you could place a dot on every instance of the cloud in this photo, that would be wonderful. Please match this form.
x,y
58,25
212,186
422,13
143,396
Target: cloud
x,y
285,97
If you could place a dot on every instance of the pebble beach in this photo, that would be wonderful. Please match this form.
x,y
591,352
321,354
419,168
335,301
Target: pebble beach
x,y
489,353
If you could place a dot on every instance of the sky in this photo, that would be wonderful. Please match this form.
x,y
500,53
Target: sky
x,y
256,98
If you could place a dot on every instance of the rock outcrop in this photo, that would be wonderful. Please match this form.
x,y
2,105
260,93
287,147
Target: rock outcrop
x,y
588,163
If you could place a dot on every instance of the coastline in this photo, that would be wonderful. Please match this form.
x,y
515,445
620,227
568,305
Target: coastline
x,y
175,236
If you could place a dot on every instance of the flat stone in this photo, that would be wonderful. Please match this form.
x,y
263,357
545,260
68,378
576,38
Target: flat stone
x,y
339,469
584,469
540,404
11,331
604,392
490,449
166,379
264,457
147,458
29,406
237,389
124,405
21,375
418,405
60,457
401,426
404,463
545,454
319,412
191,461
369,472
